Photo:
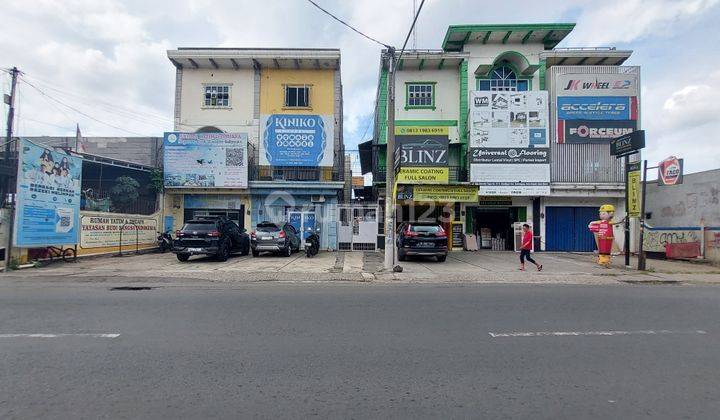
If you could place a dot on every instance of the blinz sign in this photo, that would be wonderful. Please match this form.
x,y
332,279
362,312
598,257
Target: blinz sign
x,y
627,144
421,147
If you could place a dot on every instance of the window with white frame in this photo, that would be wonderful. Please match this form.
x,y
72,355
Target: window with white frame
x,y
503,78
217,96
420,95
297,96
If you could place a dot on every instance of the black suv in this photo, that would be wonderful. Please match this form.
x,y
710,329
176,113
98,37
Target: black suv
x,y
273,237
217,236
422,239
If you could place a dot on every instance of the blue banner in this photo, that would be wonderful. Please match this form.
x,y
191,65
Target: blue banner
x,y
48,197
594,107
297,140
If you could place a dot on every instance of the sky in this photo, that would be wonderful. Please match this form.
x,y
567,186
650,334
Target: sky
x,y
102,64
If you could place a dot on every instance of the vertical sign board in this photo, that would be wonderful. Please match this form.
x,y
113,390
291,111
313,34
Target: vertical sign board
x,y
595,108
633,189
421,155
297,140
205,160
509,147
48,197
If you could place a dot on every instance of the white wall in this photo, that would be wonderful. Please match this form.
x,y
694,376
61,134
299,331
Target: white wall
x,y
487,53
238,118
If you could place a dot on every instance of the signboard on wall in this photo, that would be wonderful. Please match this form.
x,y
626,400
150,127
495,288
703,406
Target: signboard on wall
x,y
422,175
595,108
100,231
297,140
670,171
205,160
48,197
421,146
509,147
443,193
633,189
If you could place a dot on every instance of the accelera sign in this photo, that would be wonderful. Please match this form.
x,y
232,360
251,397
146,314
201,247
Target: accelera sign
x,y
590,131
297,140
596,107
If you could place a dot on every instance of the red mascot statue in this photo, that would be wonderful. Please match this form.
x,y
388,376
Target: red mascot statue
x,y
603,230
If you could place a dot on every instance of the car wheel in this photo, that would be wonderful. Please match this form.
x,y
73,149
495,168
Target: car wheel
x,y
401,256
441,258
223,254
183,257
287,251
255,253
245,250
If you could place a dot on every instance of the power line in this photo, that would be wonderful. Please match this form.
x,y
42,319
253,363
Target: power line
x,y
412,27
78,111
348,25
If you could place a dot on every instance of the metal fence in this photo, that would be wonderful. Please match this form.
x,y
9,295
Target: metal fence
x,y
294,173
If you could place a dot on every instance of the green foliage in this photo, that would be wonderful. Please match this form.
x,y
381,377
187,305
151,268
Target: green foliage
x,y
157,180
124,193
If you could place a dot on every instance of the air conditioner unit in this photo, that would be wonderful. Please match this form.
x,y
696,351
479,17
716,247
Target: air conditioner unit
x,y
317,198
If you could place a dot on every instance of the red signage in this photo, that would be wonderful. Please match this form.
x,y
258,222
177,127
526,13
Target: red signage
x,y
670,171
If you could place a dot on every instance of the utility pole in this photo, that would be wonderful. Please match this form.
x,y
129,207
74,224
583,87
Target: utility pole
x,y
641,254
390,166
8,177
627,215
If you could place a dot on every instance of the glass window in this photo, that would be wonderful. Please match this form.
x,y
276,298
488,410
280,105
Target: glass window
x,y
503,78
217,95
420,95
297,96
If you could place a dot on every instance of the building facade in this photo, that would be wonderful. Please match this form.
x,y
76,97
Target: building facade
x,y
527,127
278,109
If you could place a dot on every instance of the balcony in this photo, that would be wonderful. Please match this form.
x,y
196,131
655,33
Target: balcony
x,y
295,173
456,174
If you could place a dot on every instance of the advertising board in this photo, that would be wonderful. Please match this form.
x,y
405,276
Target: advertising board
x,y
205,160
100,231
445,193
421,146
297,140
596,108
422,175
593,131
48,197
670,171
585,84
509,147
633,189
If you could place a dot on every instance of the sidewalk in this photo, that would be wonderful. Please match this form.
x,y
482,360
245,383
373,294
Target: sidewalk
x,y
482,266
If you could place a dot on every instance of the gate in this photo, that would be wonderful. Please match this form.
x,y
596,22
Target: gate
x,y
357,227
566,229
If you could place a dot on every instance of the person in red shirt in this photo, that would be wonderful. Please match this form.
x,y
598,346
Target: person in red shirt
x,y
527,238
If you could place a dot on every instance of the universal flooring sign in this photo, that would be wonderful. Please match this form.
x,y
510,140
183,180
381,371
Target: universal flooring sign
x,y
205,160
297,140
48,197
509,152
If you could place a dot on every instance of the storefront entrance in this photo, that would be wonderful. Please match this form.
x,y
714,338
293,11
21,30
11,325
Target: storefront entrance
x,y
494,226
302,221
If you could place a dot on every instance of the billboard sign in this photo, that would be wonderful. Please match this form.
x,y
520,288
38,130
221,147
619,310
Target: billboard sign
x,y
422,175
593,131
584,84
103,230
509,146
596,108
48,197
297,140
421,147
627,144
670,171
633,189
205,160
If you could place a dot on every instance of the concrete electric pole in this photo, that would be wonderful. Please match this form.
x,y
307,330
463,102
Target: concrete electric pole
x,y
390,210
10,100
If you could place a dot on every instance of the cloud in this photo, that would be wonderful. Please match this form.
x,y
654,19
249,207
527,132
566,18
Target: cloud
x,y
607,22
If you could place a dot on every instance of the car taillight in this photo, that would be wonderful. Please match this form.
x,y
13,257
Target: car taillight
x,y
282,234
214,234
441,233
408,232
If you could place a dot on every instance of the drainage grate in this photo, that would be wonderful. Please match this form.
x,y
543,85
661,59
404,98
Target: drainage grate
x,y
132,288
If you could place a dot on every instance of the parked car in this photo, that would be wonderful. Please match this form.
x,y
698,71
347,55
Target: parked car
x,y
274,237
216,236
422,239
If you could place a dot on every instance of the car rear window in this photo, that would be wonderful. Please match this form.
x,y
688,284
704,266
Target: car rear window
x,y
425,228
267,227
199,226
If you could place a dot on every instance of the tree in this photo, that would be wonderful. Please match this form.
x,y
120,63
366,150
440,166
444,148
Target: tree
x,y
157,181
124,194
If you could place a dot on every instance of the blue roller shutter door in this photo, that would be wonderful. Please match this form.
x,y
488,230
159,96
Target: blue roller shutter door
x,y
566,229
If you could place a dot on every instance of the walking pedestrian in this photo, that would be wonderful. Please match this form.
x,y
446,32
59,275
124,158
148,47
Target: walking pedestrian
x,y
527,238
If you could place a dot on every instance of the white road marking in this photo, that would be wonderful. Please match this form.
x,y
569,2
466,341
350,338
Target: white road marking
x,y
591,333
91,335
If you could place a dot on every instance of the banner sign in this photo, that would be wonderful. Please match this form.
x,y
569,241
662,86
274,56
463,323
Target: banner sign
x,y
205,160
509,146
421,146
627,144
446,193
48,197
596,108
584,84
417,175
297,140
670,171
104,231
633,189
593,131
458,233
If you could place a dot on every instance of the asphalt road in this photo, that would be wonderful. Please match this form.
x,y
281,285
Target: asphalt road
x,y
361,351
